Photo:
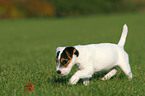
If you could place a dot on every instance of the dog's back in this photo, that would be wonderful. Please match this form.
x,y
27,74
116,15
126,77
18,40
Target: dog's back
x,y
103,56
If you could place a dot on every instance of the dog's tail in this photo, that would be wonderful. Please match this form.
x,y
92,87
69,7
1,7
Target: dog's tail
x,y
123,36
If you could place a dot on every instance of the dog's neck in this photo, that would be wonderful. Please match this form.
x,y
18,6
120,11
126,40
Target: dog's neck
x,y
77,62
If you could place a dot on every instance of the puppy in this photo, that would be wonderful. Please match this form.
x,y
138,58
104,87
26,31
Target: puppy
x,y
93,58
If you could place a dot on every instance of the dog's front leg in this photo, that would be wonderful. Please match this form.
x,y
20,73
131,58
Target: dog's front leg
x,y
82,74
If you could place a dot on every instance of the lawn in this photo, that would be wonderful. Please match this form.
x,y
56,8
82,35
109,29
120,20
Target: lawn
x,y
27,53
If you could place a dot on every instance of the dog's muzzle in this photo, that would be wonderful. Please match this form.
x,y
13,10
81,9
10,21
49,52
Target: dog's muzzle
x,y
58,72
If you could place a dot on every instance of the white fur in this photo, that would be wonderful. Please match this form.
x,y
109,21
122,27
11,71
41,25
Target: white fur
x,y
98,57
123,36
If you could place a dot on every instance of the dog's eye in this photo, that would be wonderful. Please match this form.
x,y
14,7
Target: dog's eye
x,y
64,62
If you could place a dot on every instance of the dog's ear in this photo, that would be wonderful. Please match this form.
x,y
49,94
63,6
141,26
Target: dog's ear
x,y
57,54
70,51
76,52
67,55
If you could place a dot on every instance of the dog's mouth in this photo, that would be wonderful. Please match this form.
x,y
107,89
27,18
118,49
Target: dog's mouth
x,y
62,73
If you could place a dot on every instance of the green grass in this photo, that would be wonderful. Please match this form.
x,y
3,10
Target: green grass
x,y
27,53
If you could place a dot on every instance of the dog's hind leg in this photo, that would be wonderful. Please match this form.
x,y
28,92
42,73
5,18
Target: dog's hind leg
x,y
126,69
124,65
110,74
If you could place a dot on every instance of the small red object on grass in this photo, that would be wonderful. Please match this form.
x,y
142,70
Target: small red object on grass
x,y
29,87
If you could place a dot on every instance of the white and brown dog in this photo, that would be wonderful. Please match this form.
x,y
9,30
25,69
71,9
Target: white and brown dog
x,y
93,58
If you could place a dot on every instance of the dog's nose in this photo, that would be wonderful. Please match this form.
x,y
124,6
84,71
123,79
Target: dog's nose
x,y
58,72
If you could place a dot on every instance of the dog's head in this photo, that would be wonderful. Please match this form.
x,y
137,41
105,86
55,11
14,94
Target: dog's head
x,y
65,59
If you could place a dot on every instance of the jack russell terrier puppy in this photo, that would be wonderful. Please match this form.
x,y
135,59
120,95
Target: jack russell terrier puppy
x,y
93,58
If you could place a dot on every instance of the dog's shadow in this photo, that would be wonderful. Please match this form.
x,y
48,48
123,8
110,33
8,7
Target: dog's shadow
x,y
98,76
58,80
62,80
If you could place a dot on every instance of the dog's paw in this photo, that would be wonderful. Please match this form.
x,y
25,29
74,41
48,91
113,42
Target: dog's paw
x,y
73,80
105,78
86,83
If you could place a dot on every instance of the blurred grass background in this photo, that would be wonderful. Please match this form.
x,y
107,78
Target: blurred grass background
x,y
61,8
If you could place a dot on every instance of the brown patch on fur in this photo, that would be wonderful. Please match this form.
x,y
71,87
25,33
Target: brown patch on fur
x,y
65,60
62,59
74,51
67,63
67,55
